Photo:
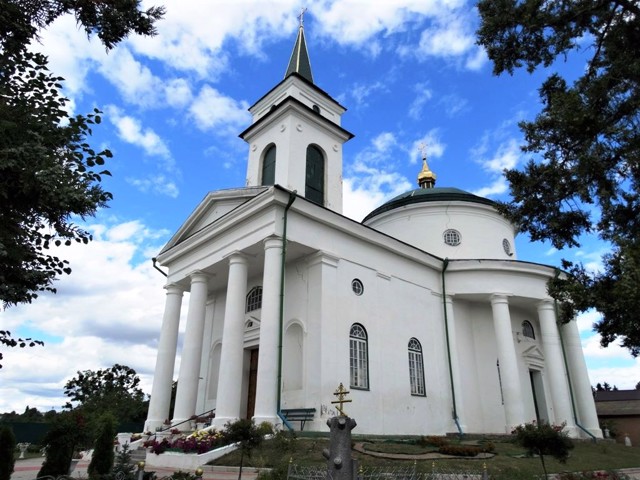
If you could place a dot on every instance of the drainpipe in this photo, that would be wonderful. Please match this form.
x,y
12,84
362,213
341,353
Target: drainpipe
x,y
292,197
154,260
566,368
445,264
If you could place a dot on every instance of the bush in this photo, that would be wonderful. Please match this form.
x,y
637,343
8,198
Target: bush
x,y
433,441
68,431
103,456
460,450
544,439
7,452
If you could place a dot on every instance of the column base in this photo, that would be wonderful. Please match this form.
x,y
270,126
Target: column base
x,y
596,432
219,422
153,425
185,424
272,419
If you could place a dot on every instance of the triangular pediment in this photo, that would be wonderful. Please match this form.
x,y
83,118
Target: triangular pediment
x,y
534,356
214,206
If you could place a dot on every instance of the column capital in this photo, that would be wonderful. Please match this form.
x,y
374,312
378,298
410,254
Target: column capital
x,y
272,242
198,276
499,298
173,289
545,304
237,257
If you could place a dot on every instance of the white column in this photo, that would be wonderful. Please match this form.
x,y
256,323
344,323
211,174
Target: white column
x,y
165,361
232,355
189,376
267,381
512,393
455,363
554,366
582,393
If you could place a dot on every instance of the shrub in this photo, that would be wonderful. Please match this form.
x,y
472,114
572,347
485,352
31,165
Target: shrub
x,y
123,469
460,450
543,439
434,441
67,431
103,456
7,452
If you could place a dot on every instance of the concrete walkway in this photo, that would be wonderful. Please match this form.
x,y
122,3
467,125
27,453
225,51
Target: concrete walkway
x,y
27,469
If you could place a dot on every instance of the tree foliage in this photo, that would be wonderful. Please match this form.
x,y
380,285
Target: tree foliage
x,y
115,390
49,174
67,433
540,439
584,177
247,435
7,452
103,454
8,341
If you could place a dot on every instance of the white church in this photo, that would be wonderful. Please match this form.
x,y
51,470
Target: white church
x,y
422,311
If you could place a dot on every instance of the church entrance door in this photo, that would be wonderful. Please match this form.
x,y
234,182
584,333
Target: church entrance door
x,y
253,378
537,388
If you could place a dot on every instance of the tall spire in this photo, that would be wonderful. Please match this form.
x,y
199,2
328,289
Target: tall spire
x,y
426,178
299,62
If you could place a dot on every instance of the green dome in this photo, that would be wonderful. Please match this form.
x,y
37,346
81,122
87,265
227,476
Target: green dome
x,y
423,195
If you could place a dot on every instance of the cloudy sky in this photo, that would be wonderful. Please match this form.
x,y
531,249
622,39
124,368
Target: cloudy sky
x,y
407,70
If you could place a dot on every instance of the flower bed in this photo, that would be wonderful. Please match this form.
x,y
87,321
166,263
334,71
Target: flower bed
x,y
198,442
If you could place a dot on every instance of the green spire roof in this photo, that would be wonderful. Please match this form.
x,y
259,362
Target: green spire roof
x,y
299,62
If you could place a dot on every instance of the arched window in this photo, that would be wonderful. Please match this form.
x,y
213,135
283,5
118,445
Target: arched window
x,y
314,185
269,166
358,357
527,330
416,368
254,299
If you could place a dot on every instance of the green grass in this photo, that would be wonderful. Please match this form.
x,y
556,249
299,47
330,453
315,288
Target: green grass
x,y
508,462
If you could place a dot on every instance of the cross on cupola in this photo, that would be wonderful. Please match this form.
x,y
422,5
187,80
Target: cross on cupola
x,y
426,178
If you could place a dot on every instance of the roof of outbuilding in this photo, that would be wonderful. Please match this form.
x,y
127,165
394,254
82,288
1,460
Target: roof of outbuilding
x,y
424,195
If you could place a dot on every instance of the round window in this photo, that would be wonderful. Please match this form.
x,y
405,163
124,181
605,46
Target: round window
x,y
451,237
507,247
357,287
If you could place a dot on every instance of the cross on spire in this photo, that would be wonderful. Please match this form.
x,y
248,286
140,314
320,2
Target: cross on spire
x,y
301,16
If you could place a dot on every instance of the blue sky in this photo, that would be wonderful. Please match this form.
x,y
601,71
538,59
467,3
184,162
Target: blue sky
x,y
408,72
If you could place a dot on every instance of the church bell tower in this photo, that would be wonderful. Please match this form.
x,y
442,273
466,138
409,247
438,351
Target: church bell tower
x,y
295,139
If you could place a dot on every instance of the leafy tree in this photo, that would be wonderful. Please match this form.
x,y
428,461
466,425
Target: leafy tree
x,y
103,455
584,177
68,432
115,390
7,452
246,434
123,468
48,170
543,439
7,340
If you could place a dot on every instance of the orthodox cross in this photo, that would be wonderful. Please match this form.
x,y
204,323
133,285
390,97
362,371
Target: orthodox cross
x,y
423,149
301,16
341,393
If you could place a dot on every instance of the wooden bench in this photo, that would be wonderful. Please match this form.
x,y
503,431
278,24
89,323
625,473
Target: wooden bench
x,y
299,415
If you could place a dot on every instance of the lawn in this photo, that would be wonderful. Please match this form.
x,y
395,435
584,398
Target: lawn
x,y
509,461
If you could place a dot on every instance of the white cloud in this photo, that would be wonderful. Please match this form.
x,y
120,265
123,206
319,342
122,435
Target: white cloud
x,y
109,310
131,131
158,183
178,92
213,110
423,95
350,22
506,156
